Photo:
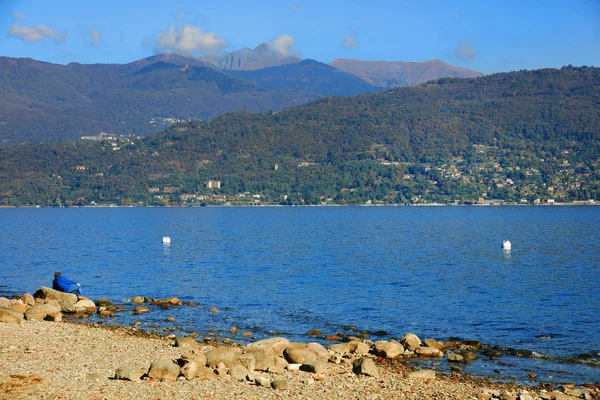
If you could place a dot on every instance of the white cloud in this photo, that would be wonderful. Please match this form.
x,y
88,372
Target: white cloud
x,y
96,38
189,39
36,33
350,41
465,50
282,45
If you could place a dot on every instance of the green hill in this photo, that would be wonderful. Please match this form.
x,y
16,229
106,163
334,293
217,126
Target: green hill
x,y
518,137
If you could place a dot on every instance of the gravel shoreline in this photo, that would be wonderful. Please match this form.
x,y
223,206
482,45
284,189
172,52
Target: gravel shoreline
x,y
63,360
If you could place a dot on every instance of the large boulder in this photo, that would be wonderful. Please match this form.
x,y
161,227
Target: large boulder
x,y
428,352
225,355
187,342
85,306
359,348
410,341
41,311
10,316
263,357
365,366
47,293
277,344
4,302
386,349
322,353
164,370
298,355
315,366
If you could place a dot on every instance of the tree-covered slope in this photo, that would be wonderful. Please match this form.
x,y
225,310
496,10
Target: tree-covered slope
x,y
518,136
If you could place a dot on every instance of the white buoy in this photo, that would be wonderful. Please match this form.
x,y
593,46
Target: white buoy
x,y
506,245
166,240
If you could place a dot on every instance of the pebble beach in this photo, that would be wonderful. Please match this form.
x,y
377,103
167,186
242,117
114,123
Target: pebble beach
x,y
43,356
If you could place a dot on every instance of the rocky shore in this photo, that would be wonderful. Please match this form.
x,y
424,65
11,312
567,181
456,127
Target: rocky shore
x,y
42,356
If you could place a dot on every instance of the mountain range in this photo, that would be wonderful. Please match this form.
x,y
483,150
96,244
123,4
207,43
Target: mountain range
x,y
519,137
40,101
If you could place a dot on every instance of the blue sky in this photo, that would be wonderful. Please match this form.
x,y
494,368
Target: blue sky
x,y
484,35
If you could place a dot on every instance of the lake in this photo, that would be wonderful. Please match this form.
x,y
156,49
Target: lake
x,y
439,272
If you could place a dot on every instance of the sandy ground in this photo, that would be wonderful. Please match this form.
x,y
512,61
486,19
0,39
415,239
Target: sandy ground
x,y
62,360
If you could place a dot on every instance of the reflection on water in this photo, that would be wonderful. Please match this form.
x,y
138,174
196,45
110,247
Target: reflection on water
x,y
439,272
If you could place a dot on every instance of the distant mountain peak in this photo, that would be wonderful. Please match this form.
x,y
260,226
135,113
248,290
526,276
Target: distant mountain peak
x,y
390,74
262,56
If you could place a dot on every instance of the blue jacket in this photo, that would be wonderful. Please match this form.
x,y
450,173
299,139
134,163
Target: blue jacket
x,y
61,283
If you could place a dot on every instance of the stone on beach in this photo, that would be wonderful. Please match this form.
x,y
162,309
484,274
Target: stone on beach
x,y
46,293
11,316
410,341
190,370
358,348
226,355
322,353
85,306
428,351
277,344
299,355
40,311
263,357
279,384
164,370
238,372
386,349
129,373
340,348
453,357
315,366
365,366
186,342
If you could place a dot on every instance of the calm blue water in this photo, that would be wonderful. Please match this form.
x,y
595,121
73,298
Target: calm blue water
x,y
436,271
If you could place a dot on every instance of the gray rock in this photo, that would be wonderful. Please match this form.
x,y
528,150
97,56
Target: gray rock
x,y
262,381
205,373
359,348
85,306
187,343
410,341
190,370
428,351
340,348
238,372
47,294
40,311
299,355
322,353
315,366
263,357
10,316
453,357
28,299
247,361
129,373
386,349
140,310
225,355
435,344
276,344
164,370
422,374
54,317
279,384
365,366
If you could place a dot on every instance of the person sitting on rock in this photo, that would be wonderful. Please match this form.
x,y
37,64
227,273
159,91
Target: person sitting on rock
x,y
63,284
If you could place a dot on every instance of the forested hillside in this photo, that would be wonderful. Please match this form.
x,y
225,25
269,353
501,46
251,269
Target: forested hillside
x,y
519,137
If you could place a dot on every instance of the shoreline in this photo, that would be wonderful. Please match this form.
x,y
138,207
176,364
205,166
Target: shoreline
x,y
44,355
78,360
